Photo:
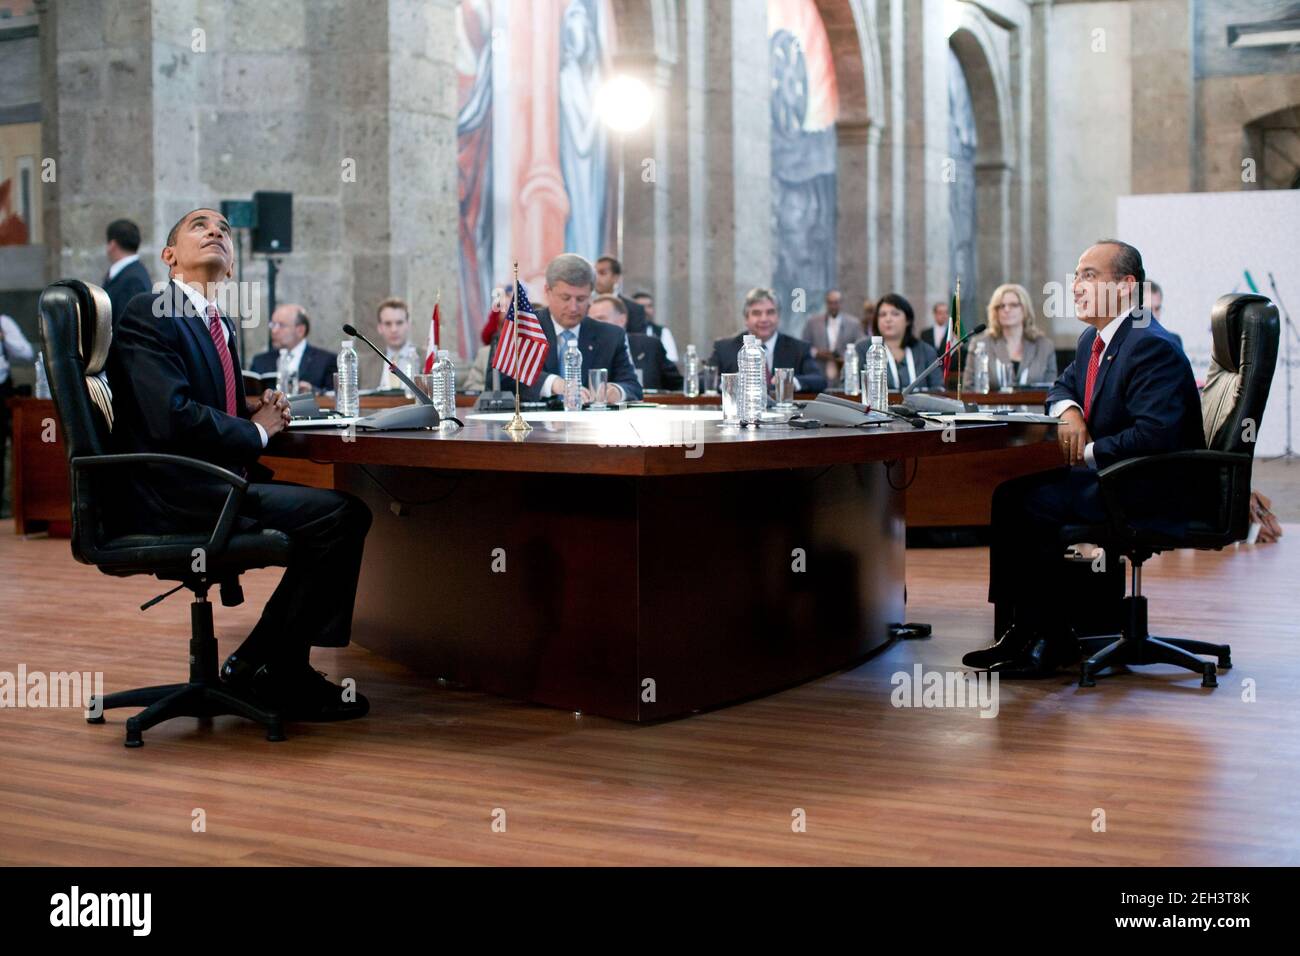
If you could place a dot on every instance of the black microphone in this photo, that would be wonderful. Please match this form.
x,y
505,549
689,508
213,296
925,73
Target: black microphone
x,y
935,364
420,397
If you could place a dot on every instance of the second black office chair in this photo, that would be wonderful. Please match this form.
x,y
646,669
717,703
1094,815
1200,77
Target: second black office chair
x,y
1245,330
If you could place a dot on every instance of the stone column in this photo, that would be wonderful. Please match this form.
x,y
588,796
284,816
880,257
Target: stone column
x,y
97,94
927,270
739,123
1163,96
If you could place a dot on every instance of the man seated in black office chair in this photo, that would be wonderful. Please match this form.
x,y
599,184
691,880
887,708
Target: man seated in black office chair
x,y
1129,392
174,372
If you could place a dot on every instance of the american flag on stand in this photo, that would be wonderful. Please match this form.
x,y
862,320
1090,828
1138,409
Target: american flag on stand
x,y
522,347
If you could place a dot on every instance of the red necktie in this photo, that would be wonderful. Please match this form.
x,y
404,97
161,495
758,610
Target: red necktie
x,y
1094,363
217,329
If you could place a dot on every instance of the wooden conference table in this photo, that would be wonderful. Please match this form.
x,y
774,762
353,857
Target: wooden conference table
x,y
638,564
945,492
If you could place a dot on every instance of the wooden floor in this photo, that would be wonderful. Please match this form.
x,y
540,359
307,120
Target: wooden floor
x,y
1183,775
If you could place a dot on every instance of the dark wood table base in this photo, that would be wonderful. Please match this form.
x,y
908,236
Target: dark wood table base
x,y
639,598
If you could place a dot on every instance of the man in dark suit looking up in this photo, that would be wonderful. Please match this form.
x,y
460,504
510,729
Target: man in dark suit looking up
x,y
647,351
174,372
1129,392
569,281
762,319
290,327
126,277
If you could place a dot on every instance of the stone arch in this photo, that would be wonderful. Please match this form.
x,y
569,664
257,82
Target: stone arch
x,y
1274,139
976,50
851,30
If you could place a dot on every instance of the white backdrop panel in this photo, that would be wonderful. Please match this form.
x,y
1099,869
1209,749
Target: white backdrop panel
x,y
1199,246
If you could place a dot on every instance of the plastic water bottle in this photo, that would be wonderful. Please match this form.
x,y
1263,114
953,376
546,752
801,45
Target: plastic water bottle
x,y
572,378
443,387
753,380
980,362
852,371
876,375
282,373
691,384
347,401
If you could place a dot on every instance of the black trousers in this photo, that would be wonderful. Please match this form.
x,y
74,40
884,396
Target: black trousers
x,y
313,603
1026,553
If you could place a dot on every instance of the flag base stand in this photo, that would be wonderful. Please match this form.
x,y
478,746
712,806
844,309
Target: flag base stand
x,y
517,426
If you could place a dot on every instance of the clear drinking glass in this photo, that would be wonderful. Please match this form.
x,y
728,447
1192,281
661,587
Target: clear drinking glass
x,y
424,383
597,382
783,388
709,379
730,398
1004,375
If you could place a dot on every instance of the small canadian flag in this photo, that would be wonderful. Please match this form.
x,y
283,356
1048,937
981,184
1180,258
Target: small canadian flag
x,y
434,337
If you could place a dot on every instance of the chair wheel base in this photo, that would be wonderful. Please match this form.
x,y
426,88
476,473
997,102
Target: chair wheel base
x,y
202,701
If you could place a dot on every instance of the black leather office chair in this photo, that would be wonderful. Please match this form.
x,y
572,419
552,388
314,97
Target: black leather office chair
x,y
1245,330
77,331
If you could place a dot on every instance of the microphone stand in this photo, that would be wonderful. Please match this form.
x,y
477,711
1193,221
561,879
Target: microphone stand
x,y
1289,452
920,377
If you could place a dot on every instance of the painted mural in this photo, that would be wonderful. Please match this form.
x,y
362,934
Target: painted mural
x,y
805,105
535,175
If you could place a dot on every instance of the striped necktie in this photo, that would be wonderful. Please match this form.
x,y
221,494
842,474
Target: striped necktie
x,y
1094,365
217,329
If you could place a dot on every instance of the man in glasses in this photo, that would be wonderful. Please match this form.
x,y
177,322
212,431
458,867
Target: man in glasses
x,y
1129,392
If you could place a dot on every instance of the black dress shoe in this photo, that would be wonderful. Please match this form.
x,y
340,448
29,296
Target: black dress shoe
x,y
1042,658
1011,644
309,696
237,672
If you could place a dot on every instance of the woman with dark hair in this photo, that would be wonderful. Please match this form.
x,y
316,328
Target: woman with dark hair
x,y
908,355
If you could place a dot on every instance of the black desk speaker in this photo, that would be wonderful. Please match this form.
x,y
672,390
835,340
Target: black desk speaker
x,y
273,232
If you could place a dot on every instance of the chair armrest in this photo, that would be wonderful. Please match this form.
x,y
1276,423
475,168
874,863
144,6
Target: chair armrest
x,y
1176,466
229,510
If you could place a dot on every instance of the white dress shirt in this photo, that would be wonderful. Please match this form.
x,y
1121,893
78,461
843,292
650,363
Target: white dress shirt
x,y
295,356
669,343
14,345
121,264
1107,334
832,331
201,305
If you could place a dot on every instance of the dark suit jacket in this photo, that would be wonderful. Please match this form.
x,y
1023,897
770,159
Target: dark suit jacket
x,y
126,285
928,337
169,397
317,366
788,353
649,356
602,346
636,318
1144,401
